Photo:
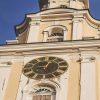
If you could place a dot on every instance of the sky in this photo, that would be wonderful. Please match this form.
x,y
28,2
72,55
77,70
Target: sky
x,y
12,12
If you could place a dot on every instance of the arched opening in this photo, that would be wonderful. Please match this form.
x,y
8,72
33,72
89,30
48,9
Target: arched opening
x,y
44,92
40,90
55,33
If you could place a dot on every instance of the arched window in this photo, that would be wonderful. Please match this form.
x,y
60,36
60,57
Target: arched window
x,y
55,33
44,92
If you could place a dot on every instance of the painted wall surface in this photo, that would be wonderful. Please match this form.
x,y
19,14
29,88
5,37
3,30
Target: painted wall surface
x,y
82,53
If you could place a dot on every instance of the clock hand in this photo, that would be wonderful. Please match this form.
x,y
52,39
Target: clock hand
x,y
47,64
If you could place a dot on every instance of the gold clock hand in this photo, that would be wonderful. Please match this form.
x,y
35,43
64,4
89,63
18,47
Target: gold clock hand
x,y
47,64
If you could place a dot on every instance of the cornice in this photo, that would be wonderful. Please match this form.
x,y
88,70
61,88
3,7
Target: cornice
x,y
52,47
93,22
19,29
55,14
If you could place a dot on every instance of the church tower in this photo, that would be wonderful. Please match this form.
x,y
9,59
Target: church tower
x,y
76,4
57,16
56,55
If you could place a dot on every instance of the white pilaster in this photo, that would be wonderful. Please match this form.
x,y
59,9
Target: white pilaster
x,y
88,86
22,84
72,4
65,35
33,32
4,76
58,95
24,96
77,29
64,87
45,36
29,97
14,78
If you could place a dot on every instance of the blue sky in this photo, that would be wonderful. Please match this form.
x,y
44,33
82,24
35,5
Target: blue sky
x,y
12,12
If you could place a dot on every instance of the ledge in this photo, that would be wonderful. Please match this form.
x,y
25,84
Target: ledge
x,y
68,46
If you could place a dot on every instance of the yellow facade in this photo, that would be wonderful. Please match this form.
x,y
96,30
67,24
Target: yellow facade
x,y
56,55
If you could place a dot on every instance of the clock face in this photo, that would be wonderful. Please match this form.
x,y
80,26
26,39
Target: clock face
x,y
45,67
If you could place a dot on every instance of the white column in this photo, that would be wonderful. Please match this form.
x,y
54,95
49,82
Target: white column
x,y
65,35
58,94
22,84
45,34
64,87
24,95
33,35
14,78
88,79
98,77
29,97
72,4
4,76
77,29
53,97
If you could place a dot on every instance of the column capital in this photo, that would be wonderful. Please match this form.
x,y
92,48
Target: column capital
x,y
87,59
75,57
18,59
5,64
45,33
34,23
75,19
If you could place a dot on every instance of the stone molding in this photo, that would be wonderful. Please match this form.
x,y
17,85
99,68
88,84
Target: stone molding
x,y
55,47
